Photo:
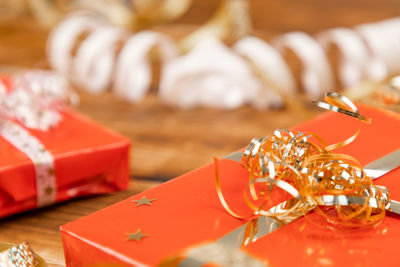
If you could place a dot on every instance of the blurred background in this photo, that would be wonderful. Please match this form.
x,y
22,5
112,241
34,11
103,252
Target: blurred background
x,y
168,140
182,100
34,19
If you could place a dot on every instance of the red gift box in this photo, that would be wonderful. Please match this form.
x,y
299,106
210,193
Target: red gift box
x,y
88,159
185,213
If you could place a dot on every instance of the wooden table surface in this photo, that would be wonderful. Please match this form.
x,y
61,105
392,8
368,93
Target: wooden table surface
x,y
167,142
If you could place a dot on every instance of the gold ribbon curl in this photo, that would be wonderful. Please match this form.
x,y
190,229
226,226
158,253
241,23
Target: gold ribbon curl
x,y
334,185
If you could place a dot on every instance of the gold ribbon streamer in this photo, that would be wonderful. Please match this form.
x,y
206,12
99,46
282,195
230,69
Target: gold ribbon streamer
x,y
335,185
230,22
341,104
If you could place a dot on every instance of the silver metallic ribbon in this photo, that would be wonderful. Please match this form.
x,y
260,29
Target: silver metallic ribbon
x,y
225,252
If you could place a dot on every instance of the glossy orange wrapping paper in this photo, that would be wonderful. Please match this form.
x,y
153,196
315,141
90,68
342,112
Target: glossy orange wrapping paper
x,y
88,159
187,213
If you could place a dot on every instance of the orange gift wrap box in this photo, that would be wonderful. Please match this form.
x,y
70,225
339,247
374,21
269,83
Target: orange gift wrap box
x,y
79,158
170,223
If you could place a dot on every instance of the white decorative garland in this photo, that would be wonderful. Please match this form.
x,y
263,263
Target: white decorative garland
x,y
208,78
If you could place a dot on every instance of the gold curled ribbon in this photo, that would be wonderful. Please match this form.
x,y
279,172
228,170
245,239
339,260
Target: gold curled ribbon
x,y
341,104
303,165
230,22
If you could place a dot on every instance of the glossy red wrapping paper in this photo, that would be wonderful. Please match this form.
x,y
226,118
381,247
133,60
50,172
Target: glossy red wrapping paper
x,y
88,159
187,212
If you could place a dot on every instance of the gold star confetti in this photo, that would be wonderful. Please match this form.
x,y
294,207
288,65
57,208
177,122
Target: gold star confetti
x,y
136,236
143,201
51,171
49,190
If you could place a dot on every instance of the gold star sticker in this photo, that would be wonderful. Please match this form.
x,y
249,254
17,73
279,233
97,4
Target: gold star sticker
x,y
51,172
136,236
48,190
143,201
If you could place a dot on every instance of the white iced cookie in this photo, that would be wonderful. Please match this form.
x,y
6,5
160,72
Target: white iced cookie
x,y
354,55
317,77
211,75
268,61
133,74
63,37
95,58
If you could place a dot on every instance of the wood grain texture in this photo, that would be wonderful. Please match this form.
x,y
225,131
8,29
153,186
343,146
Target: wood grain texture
x,y
167,142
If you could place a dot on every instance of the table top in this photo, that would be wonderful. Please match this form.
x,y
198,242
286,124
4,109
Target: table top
x,y
166,141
